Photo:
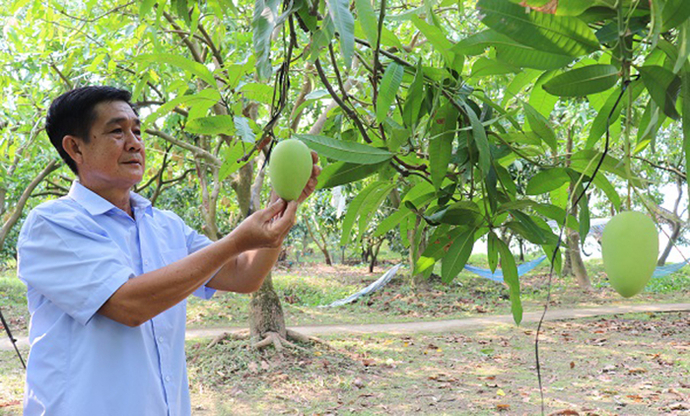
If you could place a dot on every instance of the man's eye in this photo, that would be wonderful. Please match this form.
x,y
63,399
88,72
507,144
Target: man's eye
x,y
117,131
137,132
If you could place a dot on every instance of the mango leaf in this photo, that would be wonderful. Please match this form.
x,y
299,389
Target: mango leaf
x,y
181,62
369,22
685,97
339,10
212,125
354,207
209,95
674,13
145,7
436,37
415,97
345,151
340,173
555,34
527,57
664,87
388,89
371,205
585,162
392,221
540,99
510,277
492,251
540,125
231,160
480,139
244,130
258,92
547,181
599,124
484,67
458,254
459,213
583,81
439,242
263,23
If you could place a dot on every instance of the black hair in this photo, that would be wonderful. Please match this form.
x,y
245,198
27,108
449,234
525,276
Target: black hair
x,y
73,113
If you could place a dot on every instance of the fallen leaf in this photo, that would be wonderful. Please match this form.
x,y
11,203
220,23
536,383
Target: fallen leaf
x,y
566,412
572,364
500,392
503,407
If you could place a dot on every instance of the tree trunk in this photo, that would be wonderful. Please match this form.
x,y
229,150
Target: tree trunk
x,y
323,246
375,255
578,266
671,241
266,312
24,198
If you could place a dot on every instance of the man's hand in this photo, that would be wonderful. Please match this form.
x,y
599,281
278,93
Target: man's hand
x,y
266,228
311,183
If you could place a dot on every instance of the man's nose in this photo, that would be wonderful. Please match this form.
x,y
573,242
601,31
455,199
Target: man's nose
x,y
134,143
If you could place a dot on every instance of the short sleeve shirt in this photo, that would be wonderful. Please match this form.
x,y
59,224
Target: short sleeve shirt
x,y
73,254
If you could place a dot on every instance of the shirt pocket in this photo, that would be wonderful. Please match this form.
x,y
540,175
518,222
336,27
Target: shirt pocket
x,y
171,256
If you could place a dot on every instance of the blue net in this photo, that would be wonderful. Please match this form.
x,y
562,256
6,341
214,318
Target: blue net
x,y
667,269
498,274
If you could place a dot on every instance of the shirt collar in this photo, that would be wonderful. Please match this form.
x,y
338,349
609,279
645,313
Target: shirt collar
x,y
97,205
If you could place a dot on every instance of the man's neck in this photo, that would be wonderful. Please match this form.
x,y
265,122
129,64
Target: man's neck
x,y
116,196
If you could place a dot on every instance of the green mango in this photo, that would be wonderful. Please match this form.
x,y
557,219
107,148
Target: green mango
x,y
289,168
629,247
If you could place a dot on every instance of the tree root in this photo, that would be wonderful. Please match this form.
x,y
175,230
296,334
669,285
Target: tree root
x,y
272,338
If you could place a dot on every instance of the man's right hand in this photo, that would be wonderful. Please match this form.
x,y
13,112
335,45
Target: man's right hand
x,y
266,228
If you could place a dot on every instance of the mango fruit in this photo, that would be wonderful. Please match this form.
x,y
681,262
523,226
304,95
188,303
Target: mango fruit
x,y
629,248
289,168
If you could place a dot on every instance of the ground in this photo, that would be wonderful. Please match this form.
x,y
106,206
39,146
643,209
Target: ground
x,y
637,364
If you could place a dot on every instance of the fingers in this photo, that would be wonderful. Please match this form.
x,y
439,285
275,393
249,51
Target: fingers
x,y
287,220
275,208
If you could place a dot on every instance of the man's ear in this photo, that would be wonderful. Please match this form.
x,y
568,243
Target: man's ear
x,y
74,148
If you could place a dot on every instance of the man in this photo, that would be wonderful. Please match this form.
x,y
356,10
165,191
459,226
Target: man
x,y
107,274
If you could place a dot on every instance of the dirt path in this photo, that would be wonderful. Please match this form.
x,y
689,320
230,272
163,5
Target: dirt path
x,y
436,326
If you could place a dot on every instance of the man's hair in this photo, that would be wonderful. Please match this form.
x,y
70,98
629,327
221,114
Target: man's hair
x,y
73,113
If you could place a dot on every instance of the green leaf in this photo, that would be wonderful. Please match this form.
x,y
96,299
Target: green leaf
x,y
145,7
480,139
415,98
436,37
340,173
437,247
371,205
583,81
685,97
492,251
484,67
547,181
459,213
367,17
354,208
258,92
231,160
388,89
527,57
664,87
540,125
510,277
339,11
555,34
458,254
392,221
540,99
345,151
600,121
212,126
244,130
675,12
210,95
263,23
181,62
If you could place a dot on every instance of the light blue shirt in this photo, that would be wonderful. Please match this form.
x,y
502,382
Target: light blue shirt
x,y
73,254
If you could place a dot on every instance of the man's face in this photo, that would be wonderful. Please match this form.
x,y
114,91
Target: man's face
x,y
115,156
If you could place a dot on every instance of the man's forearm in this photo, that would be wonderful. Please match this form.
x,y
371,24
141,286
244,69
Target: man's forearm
x,y
247,272
149,294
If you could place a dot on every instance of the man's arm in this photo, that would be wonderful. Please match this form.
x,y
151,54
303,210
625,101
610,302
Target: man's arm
x,y
146,296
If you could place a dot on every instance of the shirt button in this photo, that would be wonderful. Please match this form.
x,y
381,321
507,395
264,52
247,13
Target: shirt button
x,y
146,262
167,378
160,339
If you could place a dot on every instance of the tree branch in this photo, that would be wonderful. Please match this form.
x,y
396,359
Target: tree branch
x,y
197,151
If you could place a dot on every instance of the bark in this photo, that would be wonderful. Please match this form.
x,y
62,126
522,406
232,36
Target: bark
x,y
24,198
676,225
320,243
266,312
573,237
